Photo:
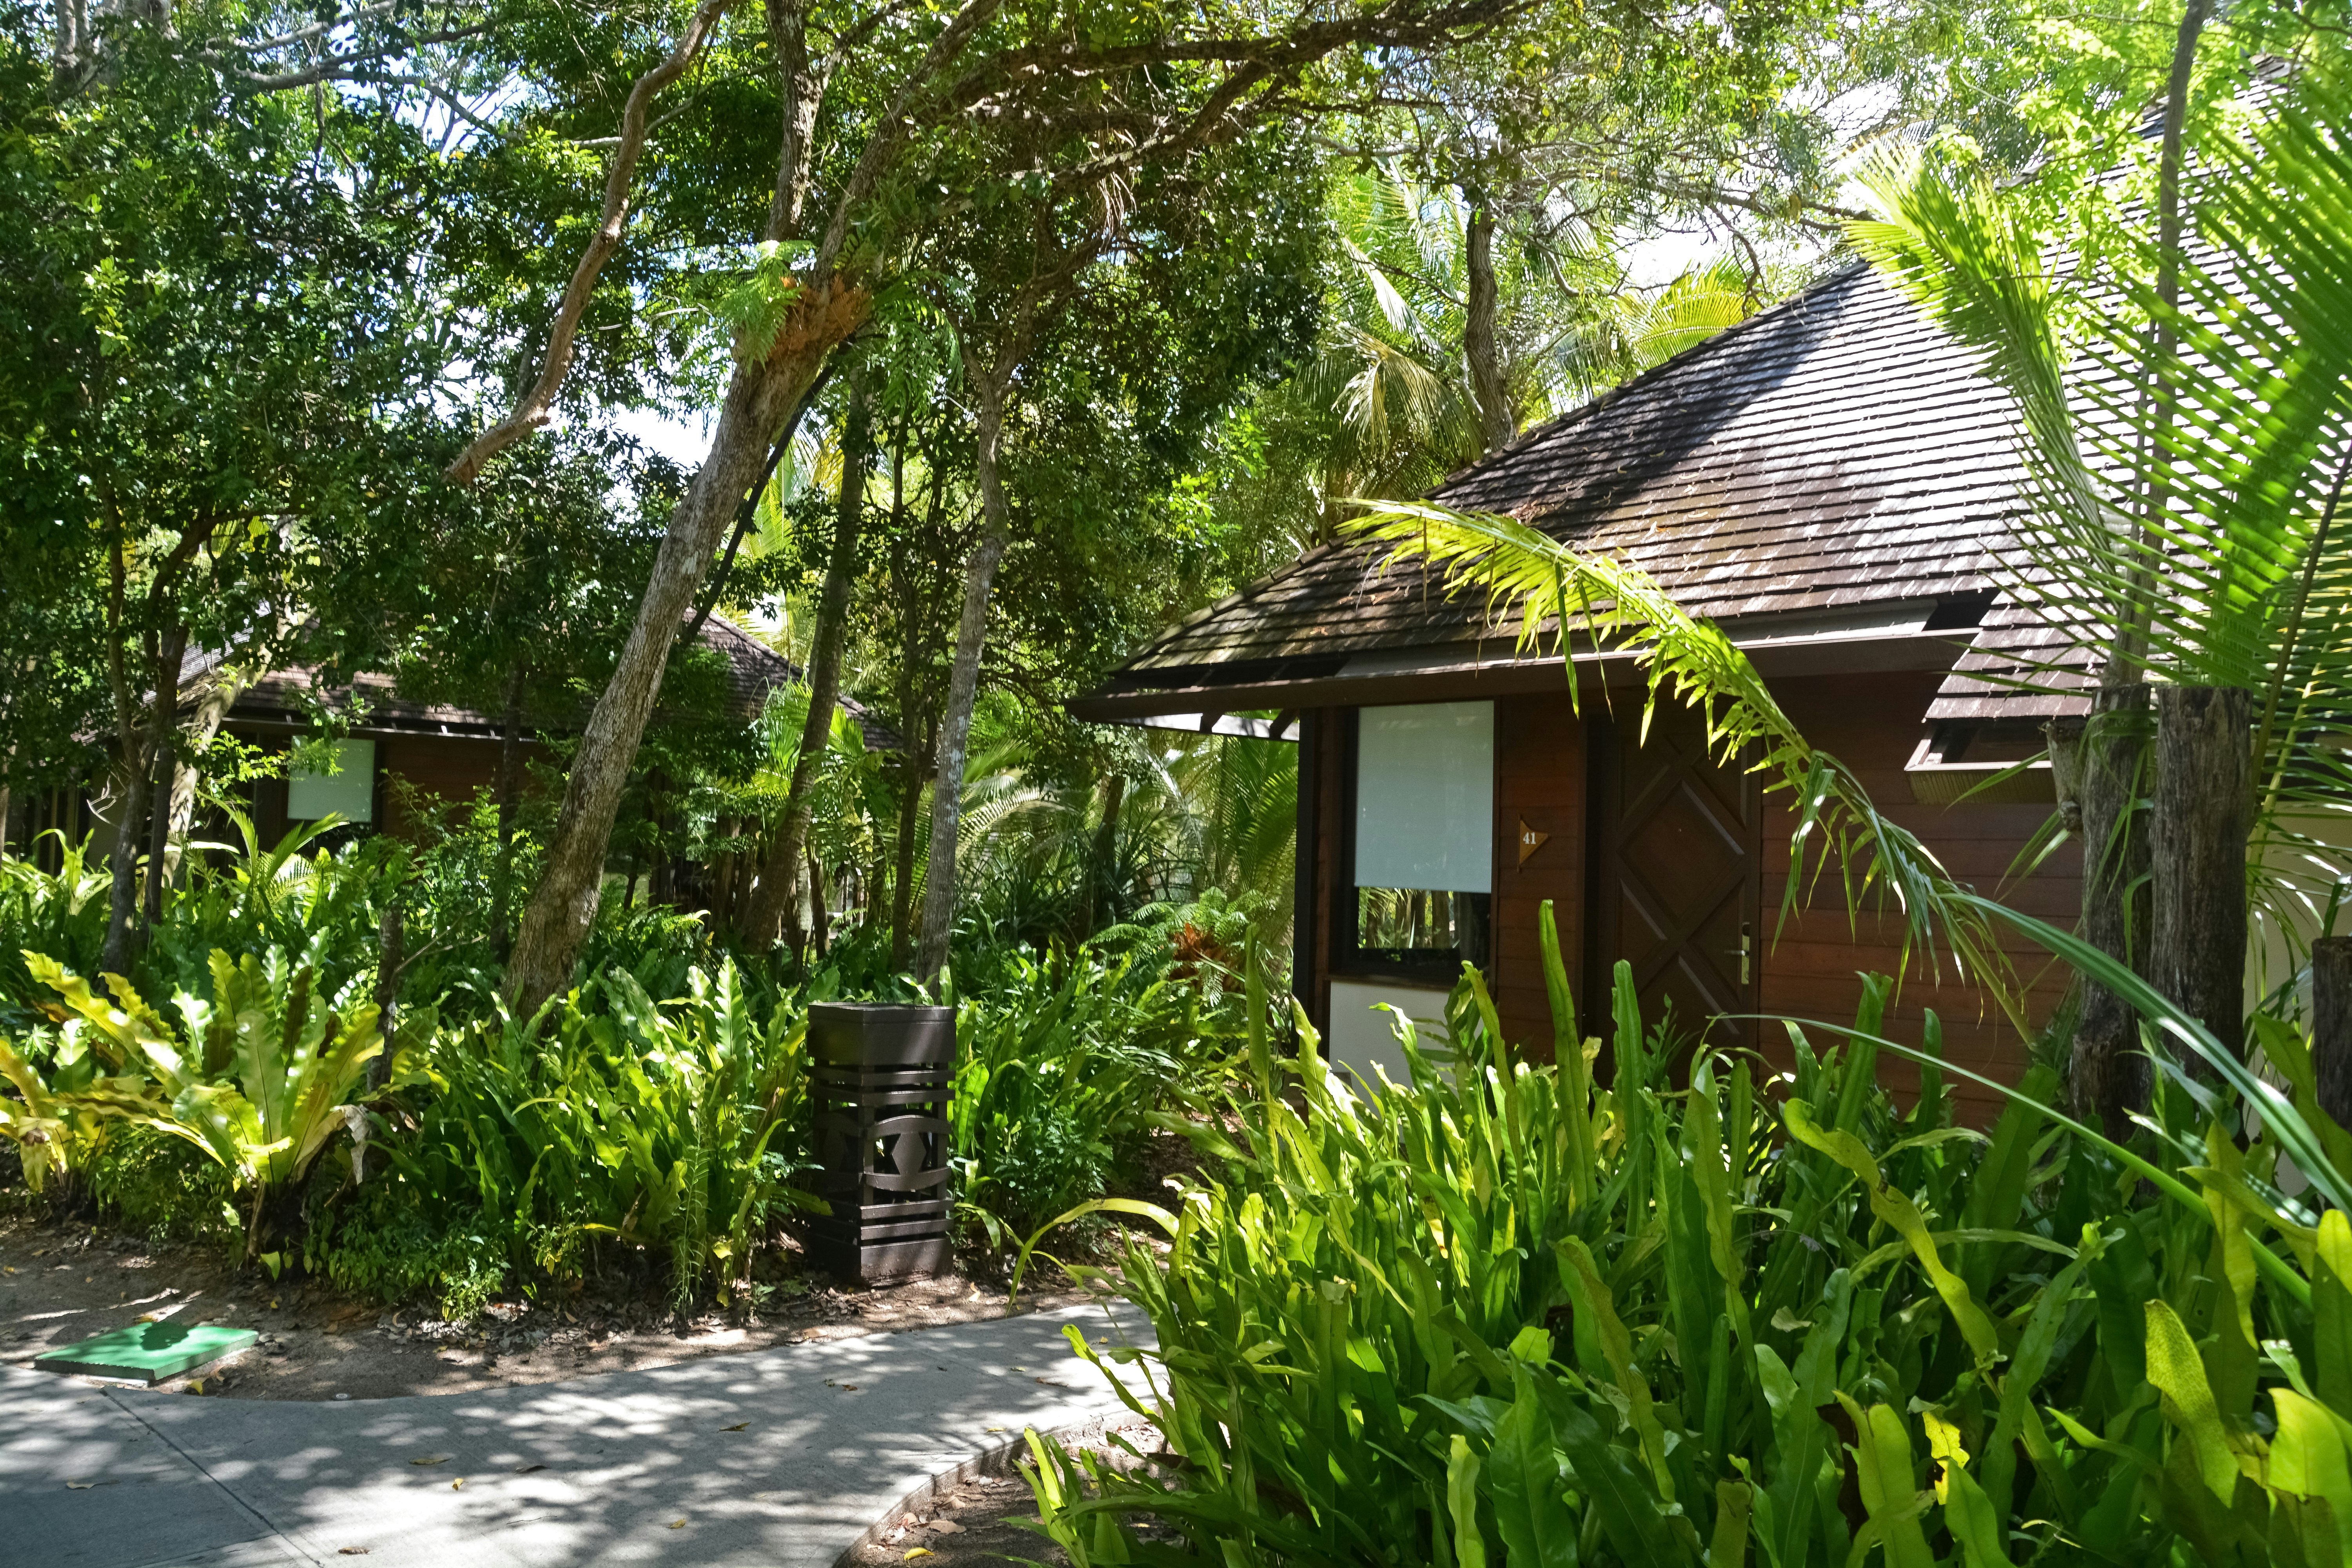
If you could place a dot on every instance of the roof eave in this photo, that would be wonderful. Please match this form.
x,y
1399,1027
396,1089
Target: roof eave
x,y
1459,672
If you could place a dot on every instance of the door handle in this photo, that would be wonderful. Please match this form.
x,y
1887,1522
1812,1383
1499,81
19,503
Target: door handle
x,y
1745,950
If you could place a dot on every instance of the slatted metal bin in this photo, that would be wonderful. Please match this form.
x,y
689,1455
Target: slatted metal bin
x,y
880,1079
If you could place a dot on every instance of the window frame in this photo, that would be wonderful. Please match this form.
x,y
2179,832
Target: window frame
x,y
1438,967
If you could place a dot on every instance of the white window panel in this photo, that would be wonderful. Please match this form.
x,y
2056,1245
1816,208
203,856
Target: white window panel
x,y
349,792
1362,1037
1425,797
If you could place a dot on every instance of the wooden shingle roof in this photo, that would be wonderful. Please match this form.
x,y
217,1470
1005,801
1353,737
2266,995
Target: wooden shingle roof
x,y
1836,453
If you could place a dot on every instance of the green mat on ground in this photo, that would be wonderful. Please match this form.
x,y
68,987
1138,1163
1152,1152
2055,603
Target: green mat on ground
x,y
149,1353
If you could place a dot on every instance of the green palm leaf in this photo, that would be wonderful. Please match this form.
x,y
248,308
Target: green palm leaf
x,y
1585,606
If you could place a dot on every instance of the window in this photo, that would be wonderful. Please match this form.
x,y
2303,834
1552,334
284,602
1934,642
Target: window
x,y
348,792
1423,838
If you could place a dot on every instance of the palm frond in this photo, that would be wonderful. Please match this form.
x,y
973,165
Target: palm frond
x,y
1568,603
2181,506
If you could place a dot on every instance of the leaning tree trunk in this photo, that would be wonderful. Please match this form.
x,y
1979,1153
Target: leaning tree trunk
x,y
776,892
2109,1077
2204,815
963,692
759,398
1497,421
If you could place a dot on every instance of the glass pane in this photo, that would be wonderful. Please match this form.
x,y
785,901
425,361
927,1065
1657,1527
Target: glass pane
x,y
1425,797
349,792
1422,923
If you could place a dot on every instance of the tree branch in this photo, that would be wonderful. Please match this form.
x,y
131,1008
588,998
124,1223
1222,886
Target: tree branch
x,y
894,125
532,411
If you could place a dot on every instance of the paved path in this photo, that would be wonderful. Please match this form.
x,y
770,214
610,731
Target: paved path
x,y
627,1467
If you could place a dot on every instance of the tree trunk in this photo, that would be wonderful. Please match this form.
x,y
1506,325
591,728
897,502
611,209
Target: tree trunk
x,y
141,753
902,884
219,696
775,893
2204,815
726,831
1497,424
2137,610
1106,845
661,882
964,690
759,398
2331,1024
819,917
164,761
509,762
159,832
391,940
2110,1078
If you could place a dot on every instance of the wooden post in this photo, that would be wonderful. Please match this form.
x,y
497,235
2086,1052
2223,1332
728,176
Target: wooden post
x,y
2331,1024
2108,1078
2204,815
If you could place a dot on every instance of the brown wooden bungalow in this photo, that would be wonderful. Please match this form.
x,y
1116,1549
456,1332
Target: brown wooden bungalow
x,y
445,754
1830,483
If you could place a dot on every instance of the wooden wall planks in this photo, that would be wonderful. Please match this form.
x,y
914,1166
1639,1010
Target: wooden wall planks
x,y
1539,779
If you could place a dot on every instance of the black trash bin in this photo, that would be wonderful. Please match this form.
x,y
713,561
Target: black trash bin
x,y
879,1083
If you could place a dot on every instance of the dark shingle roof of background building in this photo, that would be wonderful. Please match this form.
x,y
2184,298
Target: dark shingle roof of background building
x,y
753,670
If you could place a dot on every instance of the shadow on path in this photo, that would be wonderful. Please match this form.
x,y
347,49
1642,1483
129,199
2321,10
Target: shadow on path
x,y
635,1468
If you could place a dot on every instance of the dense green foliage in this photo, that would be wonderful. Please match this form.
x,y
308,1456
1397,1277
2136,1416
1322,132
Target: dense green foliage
x,y
1502,1313
240,1087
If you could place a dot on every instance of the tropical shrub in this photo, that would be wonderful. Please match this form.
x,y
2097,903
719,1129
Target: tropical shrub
x,y
674,1126
1505,1315
259,1074
1061,1068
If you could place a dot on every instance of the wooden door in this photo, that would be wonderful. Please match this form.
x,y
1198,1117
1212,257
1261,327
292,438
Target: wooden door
x,y
1677,874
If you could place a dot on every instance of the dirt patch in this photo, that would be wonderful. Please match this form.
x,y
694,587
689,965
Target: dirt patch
x,y
62,1283
979,1523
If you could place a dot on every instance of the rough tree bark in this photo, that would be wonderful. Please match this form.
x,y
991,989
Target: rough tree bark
x,y
162,712
2331,1024
963,683
819,917
759,395
1104,846
776,890
219,695
143,746
2204,815
956,725
2109,1078
1498,422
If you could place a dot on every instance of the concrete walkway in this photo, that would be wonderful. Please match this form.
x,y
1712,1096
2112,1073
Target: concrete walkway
x,y
636,1466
